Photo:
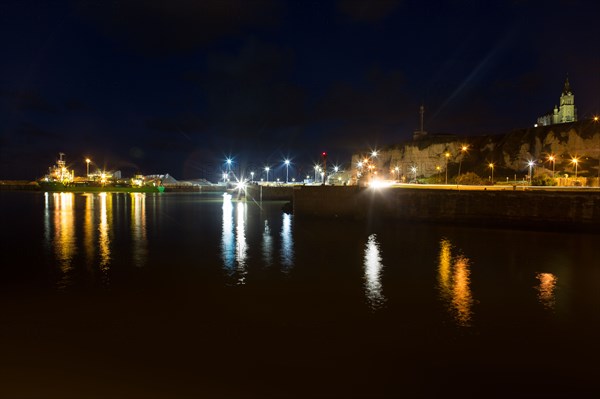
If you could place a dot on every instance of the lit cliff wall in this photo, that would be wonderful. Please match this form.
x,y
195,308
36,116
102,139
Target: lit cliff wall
x,y
510,153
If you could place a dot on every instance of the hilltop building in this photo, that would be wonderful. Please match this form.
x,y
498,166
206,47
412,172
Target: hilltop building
x,y
419,134
566,112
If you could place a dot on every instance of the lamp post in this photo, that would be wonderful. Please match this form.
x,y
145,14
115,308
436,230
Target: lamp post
x,y
552,159
530,163
397,169
447,155
267,169
316,170
87,161
287,166
252,177
491,166
462,150
414,170
576,162
228,161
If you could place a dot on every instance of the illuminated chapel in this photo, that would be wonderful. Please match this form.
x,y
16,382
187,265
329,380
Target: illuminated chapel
x,y
566,112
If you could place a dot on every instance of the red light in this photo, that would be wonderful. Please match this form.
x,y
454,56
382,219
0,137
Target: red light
x,y
324,154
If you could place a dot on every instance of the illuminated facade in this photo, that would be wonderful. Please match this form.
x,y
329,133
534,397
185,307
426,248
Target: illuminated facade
x,y
566,112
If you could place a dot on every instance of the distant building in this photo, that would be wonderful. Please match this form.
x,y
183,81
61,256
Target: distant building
x,y
566,112
419,134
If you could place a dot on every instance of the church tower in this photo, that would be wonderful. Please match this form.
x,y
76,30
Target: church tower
x,y
567,112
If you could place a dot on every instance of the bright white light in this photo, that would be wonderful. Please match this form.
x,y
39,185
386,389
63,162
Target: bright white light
x,y
241,185
380,183
374,153
287,162
267,169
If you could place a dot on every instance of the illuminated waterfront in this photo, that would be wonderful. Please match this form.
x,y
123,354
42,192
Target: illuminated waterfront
x,y
168,295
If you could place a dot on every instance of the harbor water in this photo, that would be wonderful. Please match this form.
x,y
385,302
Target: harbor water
x,y
169,295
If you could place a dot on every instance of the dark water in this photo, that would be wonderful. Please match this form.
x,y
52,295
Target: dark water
x,y
190,295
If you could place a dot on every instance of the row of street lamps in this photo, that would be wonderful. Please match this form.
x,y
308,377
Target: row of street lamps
x,y
286,162
491,165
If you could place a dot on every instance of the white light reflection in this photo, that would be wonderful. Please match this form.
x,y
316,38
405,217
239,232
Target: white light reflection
x,y
234,249
287,243
373,269
241,249
227,236
267,245
454,284
546,289
138,228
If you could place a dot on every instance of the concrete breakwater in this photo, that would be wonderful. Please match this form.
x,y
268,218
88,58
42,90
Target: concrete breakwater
x,y
546,210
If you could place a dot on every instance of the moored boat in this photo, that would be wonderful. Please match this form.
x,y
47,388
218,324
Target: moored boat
x,y
60,179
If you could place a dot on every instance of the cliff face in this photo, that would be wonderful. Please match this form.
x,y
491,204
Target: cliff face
x,y
510,153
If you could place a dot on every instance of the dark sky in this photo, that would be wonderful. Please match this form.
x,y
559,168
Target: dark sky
x,y
177,86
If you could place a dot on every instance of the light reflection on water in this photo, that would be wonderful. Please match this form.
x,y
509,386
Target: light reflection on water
x,y
287,243
138,228
234,248
454,284
96,250
546,289
88,231
104,234
64,236
373,267
267,245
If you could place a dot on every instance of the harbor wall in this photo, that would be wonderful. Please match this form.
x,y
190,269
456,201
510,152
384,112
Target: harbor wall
x,y
528,209
269,193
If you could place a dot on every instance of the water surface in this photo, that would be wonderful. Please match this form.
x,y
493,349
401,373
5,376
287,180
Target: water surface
x,y
196,295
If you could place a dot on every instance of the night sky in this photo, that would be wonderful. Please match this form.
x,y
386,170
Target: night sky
x,y
178,86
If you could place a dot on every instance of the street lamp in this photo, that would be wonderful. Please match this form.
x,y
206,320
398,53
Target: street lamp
x,y
267,169
252,176
463,149
576,162
414,170
552,159
491,166
87,161
287,165
530,163
397,169
447,155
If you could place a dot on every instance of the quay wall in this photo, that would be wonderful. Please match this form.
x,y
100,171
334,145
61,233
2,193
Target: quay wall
x,y
527,209
270,193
